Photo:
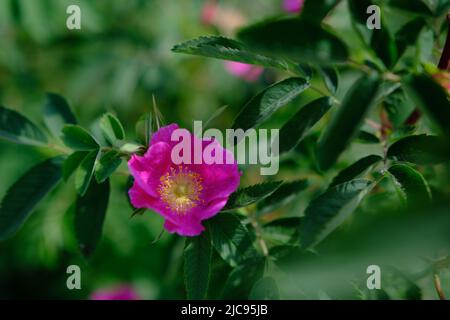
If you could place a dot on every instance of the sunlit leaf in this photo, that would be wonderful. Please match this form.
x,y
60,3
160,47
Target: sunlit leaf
x,y
77,138
72,163
106,165
264,104
85,172
111,128
16,128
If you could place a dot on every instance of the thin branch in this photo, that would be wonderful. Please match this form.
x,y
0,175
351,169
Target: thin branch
x,y
258,233
444,62
437,285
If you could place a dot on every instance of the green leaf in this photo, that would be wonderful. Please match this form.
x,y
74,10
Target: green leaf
x,y
399,286
16,128
384,46
227,49
264,104
107,164
367,137
442,7
90,211
265,289
419,149
283,231
358,10
78,138
246,196
297,128
72,163
231,239
296,39
331,78
57,113
412,185
144,128
416,6
111,128
214,116
356,169
197,263
398,107
85,171
23,196
316,10
347,122
409,34
431,98
325,213
242,278
285,194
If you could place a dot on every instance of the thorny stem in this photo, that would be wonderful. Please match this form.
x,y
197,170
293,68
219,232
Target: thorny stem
x,y
386,127
373,124
444,62
258,232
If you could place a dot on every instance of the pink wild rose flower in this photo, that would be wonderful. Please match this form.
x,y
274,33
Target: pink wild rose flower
x,y
243,70
293,6
123,292
183,194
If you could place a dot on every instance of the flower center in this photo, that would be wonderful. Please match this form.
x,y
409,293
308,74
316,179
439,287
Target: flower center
x,y
180,189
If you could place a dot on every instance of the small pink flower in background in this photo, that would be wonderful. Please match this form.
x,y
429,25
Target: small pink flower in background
x,y
123,292
209,12
225,18
183,194
245,71
293,6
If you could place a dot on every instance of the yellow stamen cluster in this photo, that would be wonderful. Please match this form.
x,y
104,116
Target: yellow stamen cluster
x,y
180,189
